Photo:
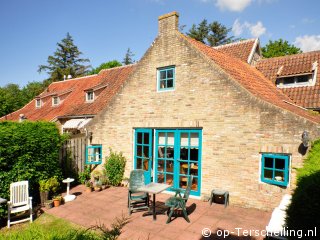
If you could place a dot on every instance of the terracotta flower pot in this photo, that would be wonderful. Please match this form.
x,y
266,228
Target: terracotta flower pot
x,y
56,202
88,189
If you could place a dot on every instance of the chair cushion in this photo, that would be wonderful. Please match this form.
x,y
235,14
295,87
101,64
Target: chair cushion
x,y
20,209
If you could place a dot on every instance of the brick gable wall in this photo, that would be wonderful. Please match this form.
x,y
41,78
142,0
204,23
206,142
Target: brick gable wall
x,y
236,125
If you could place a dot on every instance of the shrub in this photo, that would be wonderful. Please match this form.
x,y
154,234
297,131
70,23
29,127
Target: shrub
x,y
85,175
303,212
115,165
28,151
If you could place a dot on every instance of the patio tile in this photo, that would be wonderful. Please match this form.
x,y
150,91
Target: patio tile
x,y
102,208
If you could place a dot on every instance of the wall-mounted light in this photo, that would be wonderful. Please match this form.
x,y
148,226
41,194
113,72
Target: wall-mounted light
x,y
305,139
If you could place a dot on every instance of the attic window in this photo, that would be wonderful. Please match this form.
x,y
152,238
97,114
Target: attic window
x,y
296,81
38,103
90,96
55,101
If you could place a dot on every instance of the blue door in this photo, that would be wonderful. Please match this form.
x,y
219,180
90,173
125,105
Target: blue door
x,y
177,156
143,152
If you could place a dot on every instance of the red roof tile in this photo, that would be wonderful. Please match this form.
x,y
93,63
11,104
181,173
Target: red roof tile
x,y
251,79
307,96
241,49
73,98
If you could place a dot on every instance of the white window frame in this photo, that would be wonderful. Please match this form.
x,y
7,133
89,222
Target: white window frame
x,y
38,103
53,101
87,96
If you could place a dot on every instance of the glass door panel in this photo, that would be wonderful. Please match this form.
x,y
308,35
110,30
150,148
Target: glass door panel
x,y
143,152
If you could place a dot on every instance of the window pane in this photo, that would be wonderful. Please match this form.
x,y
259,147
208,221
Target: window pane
x,y
146,138
139,151
161,152
280,163
160,165
170,83
145,164
160,178
184,153
146,151
194,185
169,179
268,162
194,154
268,174
163,84
183,182
279,176
162,139
139,137
170,73
170,152
169,166
303,78
163,75
184,168
194,169
170,139
139,163
194,141
184,140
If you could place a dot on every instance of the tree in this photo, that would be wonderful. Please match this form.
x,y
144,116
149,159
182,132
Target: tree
x,y
128,58
65,61
31,90
106,65
279,48
11,99
213,34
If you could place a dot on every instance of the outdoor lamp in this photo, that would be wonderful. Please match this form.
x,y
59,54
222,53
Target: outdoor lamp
x,y
305,139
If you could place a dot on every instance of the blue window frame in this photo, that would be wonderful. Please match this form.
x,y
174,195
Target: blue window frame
x,y
94,154
143,152
166,78
275,169
177,156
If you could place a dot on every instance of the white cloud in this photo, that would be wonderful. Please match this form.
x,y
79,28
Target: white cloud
x,y
256,30
308,42
232,5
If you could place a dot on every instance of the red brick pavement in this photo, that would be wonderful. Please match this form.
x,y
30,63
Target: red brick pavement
x,y
103,207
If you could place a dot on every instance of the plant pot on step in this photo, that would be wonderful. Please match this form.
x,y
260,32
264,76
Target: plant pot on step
x,y
88,189
57,201
44,196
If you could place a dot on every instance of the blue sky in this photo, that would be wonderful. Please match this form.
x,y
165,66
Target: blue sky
x,y
104,29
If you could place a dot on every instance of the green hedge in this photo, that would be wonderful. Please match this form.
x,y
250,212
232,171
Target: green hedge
x,y
303,212
28,151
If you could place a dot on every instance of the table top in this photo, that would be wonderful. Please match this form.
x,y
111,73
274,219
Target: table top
x,y
3,200
68,180
154,188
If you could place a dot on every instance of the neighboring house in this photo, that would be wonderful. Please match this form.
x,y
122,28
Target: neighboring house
x,y
298,76
187,108
192,109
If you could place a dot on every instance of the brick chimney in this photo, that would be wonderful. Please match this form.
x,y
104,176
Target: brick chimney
x,y
168,23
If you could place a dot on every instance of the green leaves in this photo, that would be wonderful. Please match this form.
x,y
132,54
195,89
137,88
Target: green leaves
x,y
28,151
115,165
106,65
279,48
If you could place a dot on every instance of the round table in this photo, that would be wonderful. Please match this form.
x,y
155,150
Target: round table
x,y
69,197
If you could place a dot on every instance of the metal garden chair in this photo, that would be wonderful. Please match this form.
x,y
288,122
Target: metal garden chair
x,y
178,202
19,201
136,199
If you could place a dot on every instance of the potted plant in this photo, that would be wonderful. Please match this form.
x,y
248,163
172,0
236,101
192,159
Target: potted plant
x,y
88,185
46,186
97,186
48,204
57,200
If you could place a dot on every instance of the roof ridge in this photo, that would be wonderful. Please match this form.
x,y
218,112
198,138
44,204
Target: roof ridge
x,y
290,56
235,43
67,80
113,68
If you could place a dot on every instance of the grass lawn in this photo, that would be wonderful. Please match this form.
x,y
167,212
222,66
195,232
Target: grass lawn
x,y
48,227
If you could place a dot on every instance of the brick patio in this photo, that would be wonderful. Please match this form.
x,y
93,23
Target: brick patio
x,y
103,207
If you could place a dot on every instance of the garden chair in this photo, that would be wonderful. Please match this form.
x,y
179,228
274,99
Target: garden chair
x,y
19,201
137,199
178,202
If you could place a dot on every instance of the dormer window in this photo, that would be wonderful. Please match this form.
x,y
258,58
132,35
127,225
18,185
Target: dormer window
x,y
90,96
295,81
55,101
38,103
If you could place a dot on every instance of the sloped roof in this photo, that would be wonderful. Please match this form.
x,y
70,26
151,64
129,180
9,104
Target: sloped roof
x,y
251,79
74,102
307,96
241,49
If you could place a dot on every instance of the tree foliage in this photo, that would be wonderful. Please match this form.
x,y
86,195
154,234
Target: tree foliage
x,y
128,57
65,61
212,34
28,151
106,65
279,48
303,212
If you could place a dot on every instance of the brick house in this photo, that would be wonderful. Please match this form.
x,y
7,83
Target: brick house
x,y
186,108
191,109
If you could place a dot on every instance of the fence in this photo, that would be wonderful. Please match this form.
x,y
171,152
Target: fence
x,y
72,155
